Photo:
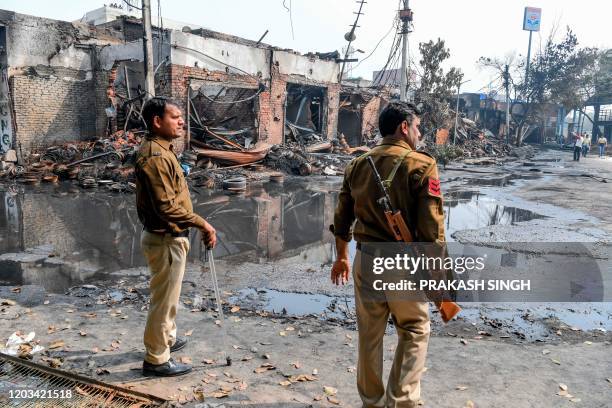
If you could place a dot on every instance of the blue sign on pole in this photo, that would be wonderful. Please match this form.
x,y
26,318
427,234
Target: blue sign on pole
x,y
532,19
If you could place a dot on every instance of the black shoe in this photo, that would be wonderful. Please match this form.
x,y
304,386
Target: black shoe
x,y
167,369
179,344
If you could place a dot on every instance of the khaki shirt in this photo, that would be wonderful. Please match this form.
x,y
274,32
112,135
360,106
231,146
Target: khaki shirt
x,y
415,191
162,195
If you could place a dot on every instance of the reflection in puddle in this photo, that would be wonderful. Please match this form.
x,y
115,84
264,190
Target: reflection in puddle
x,y
471,210
94,233
499,181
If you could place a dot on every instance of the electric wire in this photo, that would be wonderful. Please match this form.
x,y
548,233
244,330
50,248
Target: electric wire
x,y
230,102
392,55
289,10
160,27
395,20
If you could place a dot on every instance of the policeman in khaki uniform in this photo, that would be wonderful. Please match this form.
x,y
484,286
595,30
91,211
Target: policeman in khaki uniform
x,y
415,191
165,210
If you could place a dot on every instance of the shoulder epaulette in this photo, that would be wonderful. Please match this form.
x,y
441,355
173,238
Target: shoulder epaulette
x,y
425,153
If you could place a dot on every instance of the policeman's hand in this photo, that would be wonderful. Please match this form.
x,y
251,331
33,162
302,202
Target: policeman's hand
x,y
340,271
209,236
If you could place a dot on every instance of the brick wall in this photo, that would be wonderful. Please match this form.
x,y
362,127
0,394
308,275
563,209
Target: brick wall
x,y
177,77
244,114
53,108
267,109
101,83
369,116
272,109
333,102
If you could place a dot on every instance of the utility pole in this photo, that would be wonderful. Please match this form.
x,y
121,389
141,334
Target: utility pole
x,y
350,37
147,46
507,87
406,16
457,109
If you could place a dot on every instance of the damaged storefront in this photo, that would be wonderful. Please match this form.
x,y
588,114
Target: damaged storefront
x,y
358,114
80,82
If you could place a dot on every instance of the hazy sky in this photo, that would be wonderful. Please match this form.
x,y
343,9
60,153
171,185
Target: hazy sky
x,y
471,28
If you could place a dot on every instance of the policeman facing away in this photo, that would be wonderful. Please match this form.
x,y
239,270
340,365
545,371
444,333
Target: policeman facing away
x,y
415,191
165,210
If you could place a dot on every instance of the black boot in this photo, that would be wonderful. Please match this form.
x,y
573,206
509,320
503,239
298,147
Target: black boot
x,y
179,344
167,369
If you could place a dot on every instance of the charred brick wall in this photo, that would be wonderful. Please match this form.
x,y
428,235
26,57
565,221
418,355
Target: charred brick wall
x,y
369,116
272,109
268,108
54,107
101,82
268,115
333,101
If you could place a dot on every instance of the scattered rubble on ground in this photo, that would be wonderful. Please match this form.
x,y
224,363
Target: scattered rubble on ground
x,y
220,158
105,162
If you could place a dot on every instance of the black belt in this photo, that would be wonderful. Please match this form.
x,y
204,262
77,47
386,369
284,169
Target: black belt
x,y
183,234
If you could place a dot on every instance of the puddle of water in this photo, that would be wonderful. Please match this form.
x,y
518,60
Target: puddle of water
x,y
293,304
472,210
509,321
529,322
500,181
95,233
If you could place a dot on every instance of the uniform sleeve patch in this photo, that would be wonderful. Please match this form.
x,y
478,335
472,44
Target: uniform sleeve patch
x,y
434,187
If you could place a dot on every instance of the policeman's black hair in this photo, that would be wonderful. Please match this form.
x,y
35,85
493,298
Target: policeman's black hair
x,y
156,107
394,114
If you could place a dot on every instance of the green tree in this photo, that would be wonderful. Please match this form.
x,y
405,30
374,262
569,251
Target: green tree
x,y
436,87
561,74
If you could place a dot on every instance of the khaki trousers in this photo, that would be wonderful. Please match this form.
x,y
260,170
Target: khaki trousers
x,y
166,256
411,319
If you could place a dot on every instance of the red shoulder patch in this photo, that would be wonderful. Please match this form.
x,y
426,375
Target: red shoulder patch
x,y
434,187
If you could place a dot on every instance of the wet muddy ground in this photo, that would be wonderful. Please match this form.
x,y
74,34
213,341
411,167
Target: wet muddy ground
x,y
71,249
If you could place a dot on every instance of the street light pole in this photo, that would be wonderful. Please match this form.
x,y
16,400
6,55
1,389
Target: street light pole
x,y
528,59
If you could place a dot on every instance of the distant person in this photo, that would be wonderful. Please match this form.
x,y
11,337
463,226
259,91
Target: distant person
x,y
578,147
586,146
602,142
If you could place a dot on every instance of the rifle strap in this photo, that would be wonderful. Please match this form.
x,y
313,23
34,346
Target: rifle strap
x,y
398,163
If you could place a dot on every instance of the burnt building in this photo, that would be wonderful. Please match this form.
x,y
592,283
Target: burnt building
x,y
81,80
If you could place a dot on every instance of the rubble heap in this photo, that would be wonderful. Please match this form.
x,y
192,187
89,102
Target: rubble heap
x,y
104,162
477,142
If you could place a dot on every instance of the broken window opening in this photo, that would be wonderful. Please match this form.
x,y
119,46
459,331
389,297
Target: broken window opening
x,y
3,52
223,110
127,87
358,117
305,116
350,119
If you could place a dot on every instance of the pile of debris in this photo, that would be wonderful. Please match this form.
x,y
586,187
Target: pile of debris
x,y
301,135
476,142
328,158
105,162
